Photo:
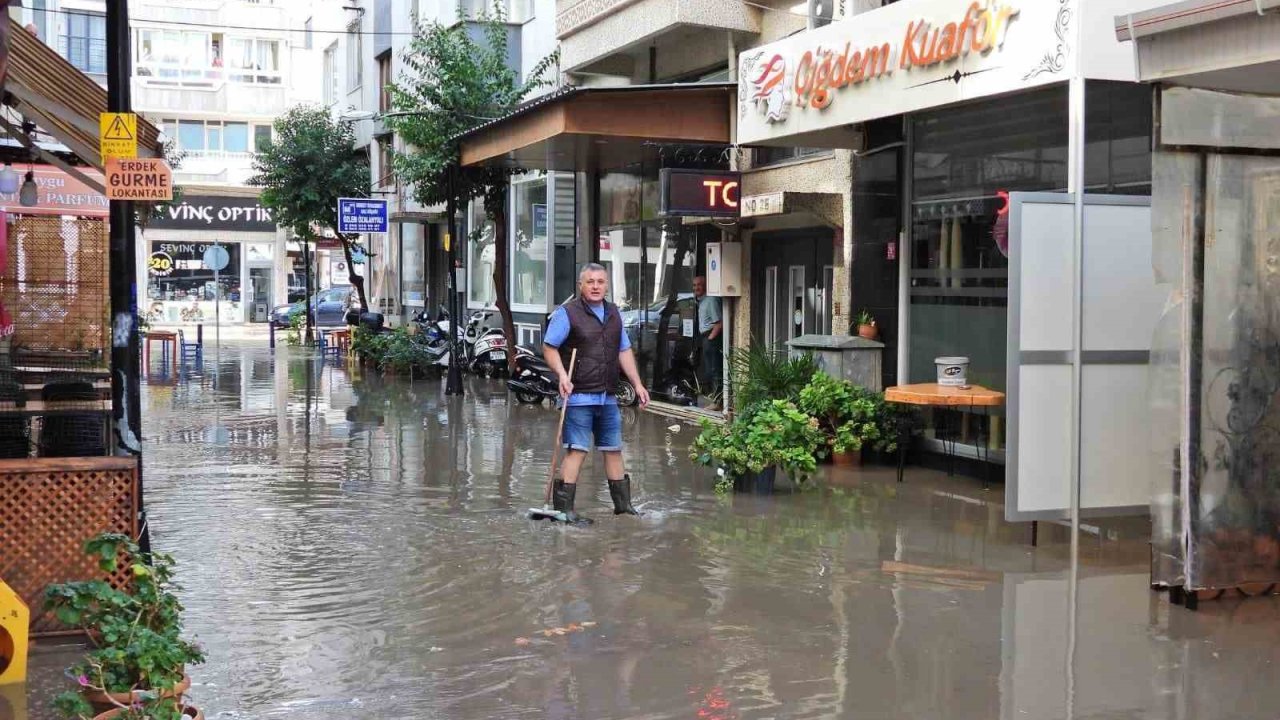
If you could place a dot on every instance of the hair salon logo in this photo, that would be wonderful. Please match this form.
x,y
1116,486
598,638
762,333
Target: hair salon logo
x,y
766,76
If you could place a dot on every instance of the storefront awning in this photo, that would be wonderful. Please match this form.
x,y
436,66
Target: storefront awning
x,y
582,128
63,101
1227,45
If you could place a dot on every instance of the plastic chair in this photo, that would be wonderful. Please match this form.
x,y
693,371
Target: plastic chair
x,y
71,435
193,351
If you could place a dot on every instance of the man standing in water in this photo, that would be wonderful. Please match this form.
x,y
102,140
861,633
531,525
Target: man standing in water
x,y
591,325
710,340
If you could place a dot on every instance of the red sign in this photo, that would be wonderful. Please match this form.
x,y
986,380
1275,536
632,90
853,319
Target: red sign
x,y
58,193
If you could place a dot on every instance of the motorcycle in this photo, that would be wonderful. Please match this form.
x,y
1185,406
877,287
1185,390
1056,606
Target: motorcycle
x,y
485,345
680,384
533,381
434,336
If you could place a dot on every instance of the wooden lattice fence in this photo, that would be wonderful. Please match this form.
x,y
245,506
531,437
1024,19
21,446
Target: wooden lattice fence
x,y
48,508
56,285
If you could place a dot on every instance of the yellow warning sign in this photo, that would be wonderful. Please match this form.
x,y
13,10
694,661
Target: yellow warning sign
x,y
118,135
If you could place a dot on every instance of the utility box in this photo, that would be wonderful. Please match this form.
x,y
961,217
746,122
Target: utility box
x,y
845,357
724,269
260,312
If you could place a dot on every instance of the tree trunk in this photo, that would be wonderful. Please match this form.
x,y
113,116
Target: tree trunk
x,y
501,263
356,281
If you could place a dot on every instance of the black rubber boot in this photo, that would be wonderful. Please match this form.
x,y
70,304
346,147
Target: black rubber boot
x,y
562,494
620,491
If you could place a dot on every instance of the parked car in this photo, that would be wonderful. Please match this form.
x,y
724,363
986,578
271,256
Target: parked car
x,y
328,308
643,331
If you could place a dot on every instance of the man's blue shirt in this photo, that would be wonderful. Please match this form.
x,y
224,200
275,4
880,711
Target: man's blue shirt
x,y
558,332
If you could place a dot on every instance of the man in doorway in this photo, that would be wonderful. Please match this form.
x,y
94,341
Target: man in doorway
x,y
593,326
710,340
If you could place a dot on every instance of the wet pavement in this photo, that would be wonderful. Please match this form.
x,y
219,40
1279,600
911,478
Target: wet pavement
x,y
356,547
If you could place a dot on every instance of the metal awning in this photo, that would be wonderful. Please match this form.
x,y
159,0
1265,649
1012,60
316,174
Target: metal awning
x,y
580,128
1225,45
63,101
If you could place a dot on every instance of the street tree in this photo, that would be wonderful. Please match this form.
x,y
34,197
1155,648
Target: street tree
x,y
310,162
456,77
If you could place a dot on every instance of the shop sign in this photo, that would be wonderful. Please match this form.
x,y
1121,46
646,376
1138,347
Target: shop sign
x,y
59,193
899,58
362,215
211,212
766,204
698,193
149,179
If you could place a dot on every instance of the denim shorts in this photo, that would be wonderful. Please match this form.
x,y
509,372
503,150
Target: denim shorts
x,y
604,422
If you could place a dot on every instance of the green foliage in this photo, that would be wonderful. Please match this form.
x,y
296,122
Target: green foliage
x,y
310,162
136,631
776,433
760,374
850,416
864,317
394,350
293,336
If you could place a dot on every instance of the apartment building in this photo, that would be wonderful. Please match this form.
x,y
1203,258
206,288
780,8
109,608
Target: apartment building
x,y
212,75
408,267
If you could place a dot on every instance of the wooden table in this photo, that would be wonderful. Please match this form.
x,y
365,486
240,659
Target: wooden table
x,y
164,337
341,338
943,396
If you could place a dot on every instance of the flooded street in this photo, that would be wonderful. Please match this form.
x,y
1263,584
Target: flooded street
x,y
357,548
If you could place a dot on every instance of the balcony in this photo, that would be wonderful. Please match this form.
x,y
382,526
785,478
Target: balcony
x,y
214,91
603,35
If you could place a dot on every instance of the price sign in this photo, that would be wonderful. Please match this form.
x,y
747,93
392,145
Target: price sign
x,y
160,264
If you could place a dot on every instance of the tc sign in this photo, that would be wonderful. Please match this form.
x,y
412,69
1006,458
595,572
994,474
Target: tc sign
x,y
698,193
361,215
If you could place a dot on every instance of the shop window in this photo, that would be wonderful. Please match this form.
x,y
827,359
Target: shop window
x,y
529,243
84,41
1117,138
183,280
413,277
480,258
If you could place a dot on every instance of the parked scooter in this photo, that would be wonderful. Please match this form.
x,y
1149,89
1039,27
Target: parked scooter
x,y
434,336
485,345
532,381
680,384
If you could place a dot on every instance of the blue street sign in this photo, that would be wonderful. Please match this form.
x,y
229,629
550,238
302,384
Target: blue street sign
x,y
216,257
362,215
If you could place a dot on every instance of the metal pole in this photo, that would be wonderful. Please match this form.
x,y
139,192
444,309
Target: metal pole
x,y
453,385
126,394
306,295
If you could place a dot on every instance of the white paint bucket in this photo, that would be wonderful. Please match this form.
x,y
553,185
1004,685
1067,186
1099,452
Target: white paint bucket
x,y
952,371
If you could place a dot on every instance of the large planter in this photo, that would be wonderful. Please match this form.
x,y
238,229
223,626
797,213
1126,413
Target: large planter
x,y
108,701
847,459
760,483
188,711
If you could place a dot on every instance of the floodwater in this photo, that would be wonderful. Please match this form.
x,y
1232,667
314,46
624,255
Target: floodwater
x,y
357,548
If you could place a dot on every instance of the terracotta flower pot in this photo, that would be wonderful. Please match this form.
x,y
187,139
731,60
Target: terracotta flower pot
x,y
870,332
108,701
189,711
846,459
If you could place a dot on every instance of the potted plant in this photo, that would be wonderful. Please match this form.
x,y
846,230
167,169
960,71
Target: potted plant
x,y
847,415
866,325
148,706
749,451
138,650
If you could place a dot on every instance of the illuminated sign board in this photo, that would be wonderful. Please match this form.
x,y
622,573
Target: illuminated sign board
x,y
699,193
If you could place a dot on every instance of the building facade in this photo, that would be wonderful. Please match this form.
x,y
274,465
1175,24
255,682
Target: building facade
x,y
212,76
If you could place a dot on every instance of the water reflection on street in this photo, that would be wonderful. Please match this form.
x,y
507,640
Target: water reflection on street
x,y
356,547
